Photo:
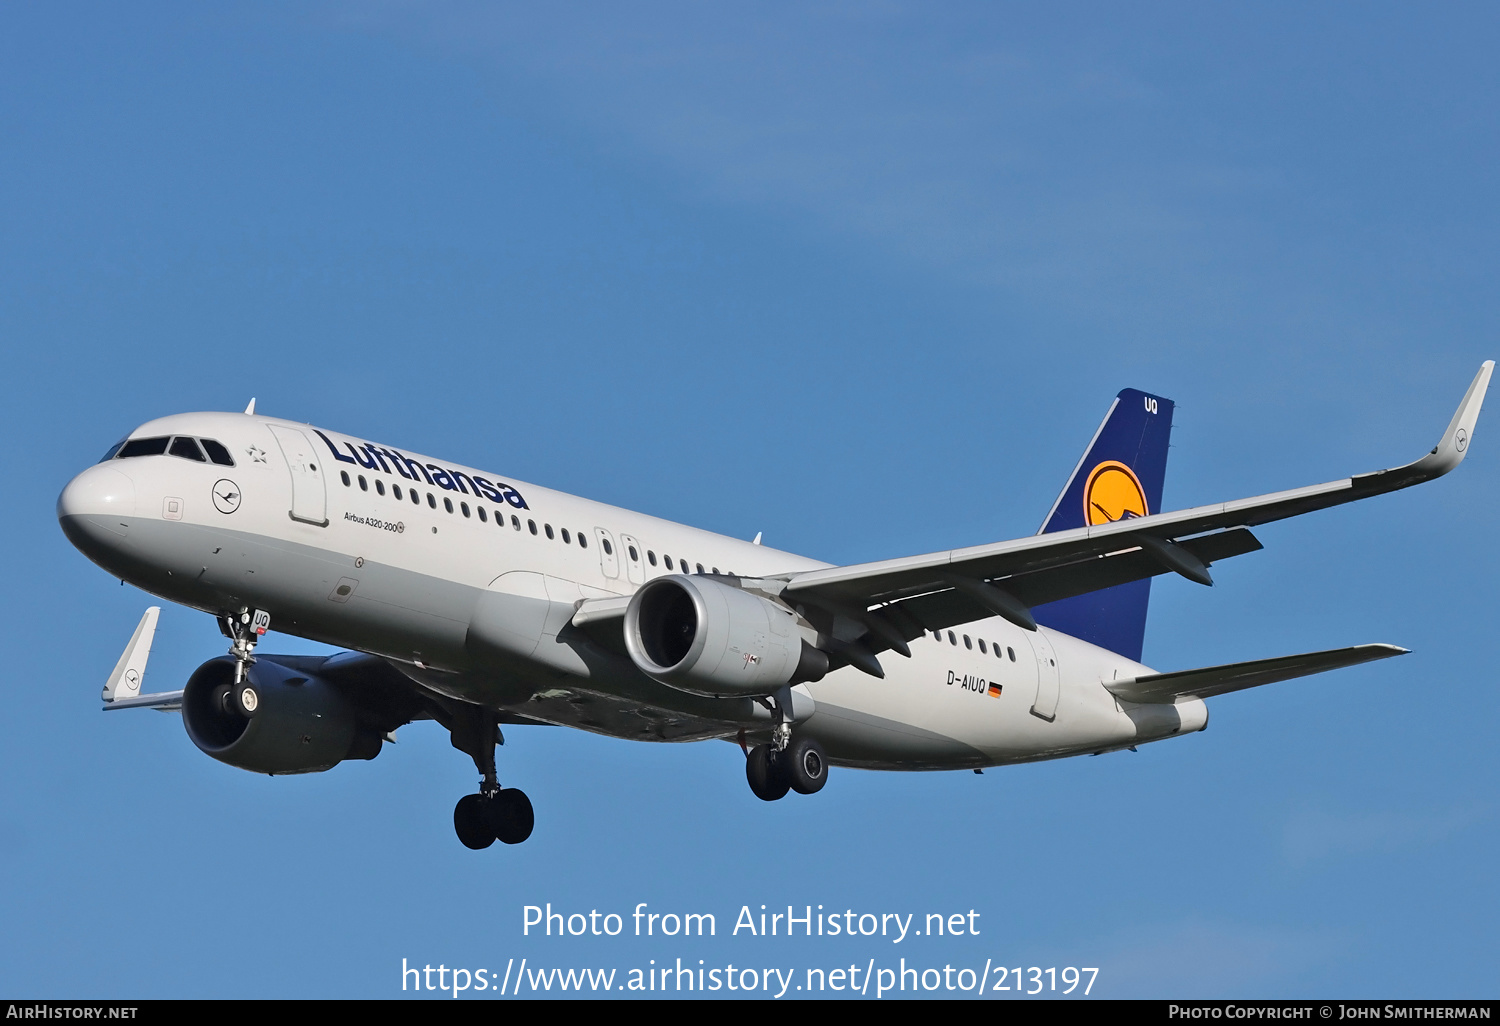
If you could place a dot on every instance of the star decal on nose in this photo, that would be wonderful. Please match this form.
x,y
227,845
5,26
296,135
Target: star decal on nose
x,y
256,453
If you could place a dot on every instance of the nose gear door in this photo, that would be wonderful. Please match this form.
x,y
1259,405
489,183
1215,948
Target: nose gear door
x,y
309,497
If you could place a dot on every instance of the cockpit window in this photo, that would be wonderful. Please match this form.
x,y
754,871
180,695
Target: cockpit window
x,y
217,452
112,450
187,448
143,447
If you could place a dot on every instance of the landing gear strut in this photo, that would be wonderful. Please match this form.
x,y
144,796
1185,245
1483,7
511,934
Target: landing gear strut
x,y
788,763
244,630
495,813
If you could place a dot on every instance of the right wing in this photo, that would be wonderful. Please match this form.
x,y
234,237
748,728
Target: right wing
x,y
904,597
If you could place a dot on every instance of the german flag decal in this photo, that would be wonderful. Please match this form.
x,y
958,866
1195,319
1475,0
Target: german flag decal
x,y
994,691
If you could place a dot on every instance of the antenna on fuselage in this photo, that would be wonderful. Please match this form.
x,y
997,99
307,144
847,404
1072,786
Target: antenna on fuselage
x,y
757,538
250,410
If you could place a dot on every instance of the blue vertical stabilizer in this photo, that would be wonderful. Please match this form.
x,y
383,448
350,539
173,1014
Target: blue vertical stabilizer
x,y
1120,476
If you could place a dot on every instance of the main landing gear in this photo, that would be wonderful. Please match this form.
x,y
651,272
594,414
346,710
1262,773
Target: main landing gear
x,y
502,815
788,763
495,813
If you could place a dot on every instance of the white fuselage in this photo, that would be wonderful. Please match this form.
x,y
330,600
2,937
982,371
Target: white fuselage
x,y
379,564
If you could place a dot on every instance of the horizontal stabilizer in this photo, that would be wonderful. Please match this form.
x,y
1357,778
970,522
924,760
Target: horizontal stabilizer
x,y
1220,680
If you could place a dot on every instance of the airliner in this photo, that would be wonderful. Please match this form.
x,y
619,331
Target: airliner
x,y
479,601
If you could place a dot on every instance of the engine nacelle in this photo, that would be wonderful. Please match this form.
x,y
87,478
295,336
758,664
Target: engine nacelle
x,y
704,637
289,723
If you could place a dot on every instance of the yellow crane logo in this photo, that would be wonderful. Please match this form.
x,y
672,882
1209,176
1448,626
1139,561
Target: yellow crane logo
x,y
1113,492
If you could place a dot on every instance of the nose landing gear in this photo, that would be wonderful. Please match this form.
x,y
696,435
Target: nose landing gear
x,y
244,630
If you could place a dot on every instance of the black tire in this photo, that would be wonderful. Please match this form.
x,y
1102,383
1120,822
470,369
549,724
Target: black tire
x,y
804,765
509,816
763,771
470,822
245,698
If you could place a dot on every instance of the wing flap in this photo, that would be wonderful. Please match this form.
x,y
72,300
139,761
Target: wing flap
x,y
939,609
1220,680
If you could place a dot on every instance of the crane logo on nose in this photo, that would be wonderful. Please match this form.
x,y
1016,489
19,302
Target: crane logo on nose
x,y
226,495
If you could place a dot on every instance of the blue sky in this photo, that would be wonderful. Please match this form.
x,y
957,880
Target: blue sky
x,y
861,276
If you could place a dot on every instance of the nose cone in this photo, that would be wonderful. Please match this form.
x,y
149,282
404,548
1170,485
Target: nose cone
x,y
100,491
95,510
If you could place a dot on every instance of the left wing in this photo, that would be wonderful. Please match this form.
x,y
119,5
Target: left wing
x,y
123,689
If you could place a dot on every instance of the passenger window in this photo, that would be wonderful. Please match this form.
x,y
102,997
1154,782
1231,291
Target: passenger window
x,y
217,452
531,524
650,557
396,491
416,500
143,447
431,501
448,504
716,570
379,487
609,550
483,516
1010,652
968,644
515,522
951,639
937,636
364,485
635,557
982,649
465,507
699,566
344,476
668,560
583,541
548,529
567,538
187,448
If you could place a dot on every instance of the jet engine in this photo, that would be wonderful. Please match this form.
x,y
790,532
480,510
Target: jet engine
x,y
276,720
705,637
